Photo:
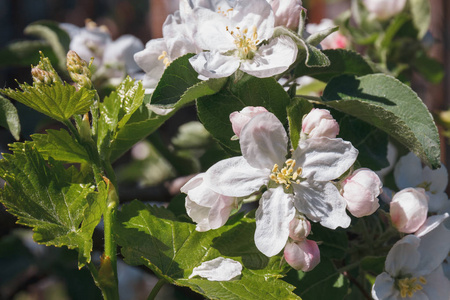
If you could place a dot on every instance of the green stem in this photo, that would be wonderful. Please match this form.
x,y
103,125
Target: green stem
x,y
156,288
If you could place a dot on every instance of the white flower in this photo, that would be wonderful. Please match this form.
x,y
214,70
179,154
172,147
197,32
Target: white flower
x,y
238,119
320,123
409,209
413,266
361,190
301,183
233,37
334,41
218,269
409,173
384,9
208,209
287,12
302,255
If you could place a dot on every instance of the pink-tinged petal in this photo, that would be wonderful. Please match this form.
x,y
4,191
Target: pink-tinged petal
x,y
408,171
320,123
437,286
321,202
234,177
384,288
403,257
273,215
271,59
199,214
302,255
409,209
324,159
218,269
299,228
220,212
264,141
238,119
214,64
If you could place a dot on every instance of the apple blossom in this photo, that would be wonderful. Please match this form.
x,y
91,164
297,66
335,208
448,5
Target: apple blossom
x,y
413,267
287,12
302,183
302,255
409,209
409,173
334,41
232,33
218,269
208,209
239,118
384,9
319,123
361,190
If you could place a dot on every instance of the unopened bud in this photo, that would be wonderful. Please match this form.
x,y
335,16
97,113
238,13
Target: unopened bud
x,y
78,70
44,73
409,209
299,228
319,123
85,128
240,118
304,255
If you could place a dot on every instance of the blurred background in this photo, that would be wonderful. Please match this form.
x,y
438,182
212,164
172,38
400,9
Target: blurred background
x,y
31,271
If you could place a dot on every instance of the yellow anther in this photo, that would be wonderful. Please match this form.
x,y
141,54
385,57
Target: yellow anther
x,y
408,286
286,175
275,168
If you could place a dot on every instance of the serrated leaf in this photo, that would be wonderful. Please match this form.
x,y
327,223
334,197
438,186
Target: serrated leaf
x,y
9,117
25,53
60,145
322,283
420,10
214,111
341,62
152,237
295,112
43,196
391,106
55,36
59,101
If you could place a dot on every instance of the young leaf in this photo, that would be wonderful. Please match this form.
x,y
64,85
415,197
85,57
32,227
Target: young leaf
x,y
152,237
59,101
420,10
43,195
9,117
60,145
391,106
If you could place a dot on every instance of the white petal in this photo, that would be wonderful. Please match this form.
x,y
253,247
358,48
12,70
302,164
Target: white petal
x,y
199,214
408,171
438,178
384,288
123,50
436,201
214,64
264,141
324,159
403,257
271,59
437,286
321,202
273,215
220,212
218,269
257,13
235,177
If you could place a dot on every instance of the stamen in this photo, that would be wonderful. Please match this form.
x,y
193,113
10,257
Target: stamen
x,y
286,175
166,61
408,286
245,44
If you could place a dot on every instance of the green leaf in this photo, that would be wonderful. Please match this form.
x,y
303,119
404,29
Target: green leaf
x,y
391,106
24,53
152,237
9,117
324,282
315,38
59,101
420,10
430,68
333,243
60,145
295,111
44,196
214,111
56,37
374,264
341,62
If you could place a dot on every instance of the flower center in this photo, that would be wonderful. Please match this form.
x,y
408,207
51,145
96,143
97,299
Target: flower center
x,y
166,61
245,42
408,286
287,175
224,12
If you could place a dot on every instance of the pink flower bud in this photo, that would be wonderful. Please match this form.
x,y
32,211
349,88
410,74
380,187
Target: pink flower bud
x,y
409,209
287,12
240,118
361,190
334,41
299,228
320,123
304,255
384,9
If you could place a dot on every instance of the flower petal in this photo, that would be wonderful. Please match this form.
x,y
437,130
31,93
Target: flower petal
x,y
437,286
256,13
321,202
214,64
234,177
273,216
264,141
403,257
438,178
218,269
384,288
408,171
324,159
271,59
